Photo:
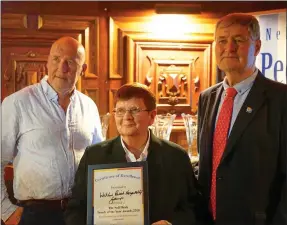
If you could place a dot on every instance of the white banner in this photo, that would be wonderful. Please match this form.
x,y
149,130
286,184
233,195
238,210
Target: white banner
x,y
272,57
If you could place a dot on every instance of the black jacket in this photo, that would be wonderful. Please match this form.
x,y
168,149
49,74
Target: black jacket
x,y
172,185
251,177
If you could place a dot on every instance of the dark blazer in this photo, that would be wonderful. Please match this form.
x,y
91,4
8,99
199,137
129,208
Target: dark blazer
x,y
172,184
251,177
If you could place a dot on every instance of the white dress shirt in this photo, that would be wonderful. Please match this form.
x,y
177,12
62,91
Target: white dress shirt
x,y
131,157
45,143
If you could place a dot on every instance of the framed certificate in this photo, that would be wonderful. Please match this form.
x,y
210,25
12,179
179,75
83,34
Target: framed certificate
x,y
118,194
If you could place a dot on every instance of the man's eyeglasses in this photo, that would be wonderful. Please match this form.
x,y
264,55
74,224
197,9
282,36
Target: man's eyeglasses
x,y
134,111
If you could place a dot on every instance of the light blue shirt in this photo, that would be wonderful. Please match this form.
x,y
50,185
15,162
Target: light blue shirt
x,y
45,143
242,89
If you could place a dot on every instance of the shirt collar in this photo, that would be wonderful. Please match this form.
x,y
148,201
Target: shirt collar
x,y
244,85
49,91
130,156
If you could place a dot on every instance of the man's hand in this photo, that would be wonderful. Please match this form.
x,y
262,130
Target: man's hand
x,y
162,222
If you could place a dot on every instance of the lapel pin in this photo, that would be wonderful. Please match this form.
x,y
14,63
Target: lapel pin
x,y
249,109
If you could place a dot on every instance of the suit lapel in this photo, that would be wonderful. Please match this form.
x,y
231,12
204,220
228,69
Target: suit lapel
x,y
154,144
206,139
253,102
117,153
210,118
157,176
154,157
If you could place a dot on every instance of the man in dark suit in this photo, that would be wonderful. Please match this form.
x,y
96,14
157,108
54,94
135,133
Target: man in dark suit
x,y
246,183
172,184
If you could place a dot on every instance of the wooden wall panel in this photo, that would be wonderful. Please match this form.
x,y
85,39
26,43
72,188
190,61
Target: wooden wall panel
x,y
91,44
93,93
177,73
26,41
116,56
129,64
13,21
21,67
120,48
112,129
175,70
111,44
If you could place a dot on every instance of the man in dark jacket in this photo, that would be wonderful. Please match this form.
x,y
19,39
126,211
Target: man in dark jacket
x,y
242,132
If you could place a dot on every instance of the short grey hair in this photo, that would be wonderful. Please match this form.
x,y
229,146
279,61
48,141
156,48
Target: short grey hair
x,y
243,19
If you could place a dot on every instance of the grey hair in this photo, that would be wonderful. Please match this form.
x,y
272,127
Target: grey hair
x,y
243,19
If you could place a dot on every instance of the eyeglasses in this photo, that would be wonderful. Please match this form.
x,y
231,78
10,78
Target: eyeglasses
x,y
134,111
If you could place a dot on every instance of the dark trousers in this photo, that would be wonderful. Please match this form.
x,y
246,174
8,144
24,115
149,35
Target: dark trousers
x,y
34,216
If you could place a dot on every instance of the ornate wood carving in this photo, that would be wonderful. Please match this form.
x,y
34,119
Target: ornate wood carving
x,y
196,79
24,69
116,42
172,84
174,72
30,72
149,76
